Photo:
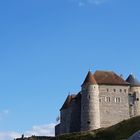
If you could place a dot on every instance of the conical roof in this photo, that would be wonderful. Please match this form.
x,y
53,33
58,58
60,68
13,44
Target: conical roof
x,y
89,80
132,80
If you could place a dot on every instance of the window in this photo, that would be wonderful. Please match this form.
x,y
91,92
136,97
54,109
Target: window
x,y
107,90
125,90
88,96
107,99
100,100
117,99
114,90
88,122
120,90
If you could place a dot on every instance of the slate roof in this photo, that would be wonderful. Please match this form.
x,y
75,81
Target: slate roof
x,y
89,79
132,80
109,78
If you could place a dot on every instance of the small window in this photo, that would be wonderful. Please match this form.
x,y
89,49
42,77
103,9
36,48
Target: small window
x,y
114,90
89,96
107,90
107,99
137,99
117,99
88,122
100,100
120,90
125,90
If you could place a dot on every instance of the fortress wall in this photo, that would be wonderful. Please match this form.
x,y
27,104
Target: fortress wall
x,y
71,117
57,129
65,120
114,106
75,122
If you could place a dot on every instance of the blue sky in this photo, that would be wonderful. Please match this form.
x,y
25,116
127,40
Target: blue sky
x,y
48,46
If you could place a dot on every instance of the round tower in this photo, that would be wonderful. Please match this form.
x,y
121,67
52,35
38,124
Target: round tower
x,y
135,93
90,113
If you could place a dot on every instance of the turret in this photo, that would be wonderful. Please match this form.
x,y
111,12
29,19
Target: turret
x,y
134,95
90,114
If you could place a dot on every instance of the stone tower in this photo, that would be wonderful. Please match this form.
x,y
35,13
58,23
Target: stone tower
x,y
90,112
134,96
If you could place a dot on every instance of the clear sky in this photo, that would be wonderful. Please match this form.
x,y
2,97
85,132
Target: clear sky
x,y
47,48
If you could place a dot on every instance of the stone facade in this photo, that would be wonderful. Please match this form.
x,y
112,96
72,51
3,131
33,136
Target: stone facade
x,y
90,112
104,100
114,106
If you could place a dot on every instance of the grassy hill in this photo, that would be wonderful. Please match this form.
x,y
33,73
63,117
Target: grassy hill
x,y
120,131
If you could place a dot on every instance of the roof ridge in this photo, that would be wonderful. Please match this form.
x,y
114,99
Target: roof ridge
x,y
109,78
104,71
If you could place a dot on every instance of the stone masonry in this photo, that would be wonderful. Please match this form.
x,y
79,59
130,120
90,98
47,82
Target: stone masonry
x,y
104,100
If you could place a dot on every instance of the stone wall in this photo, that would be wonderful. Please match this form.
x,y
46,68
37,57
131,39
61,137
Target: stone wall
x,y
99,106
65,117
90,115
57,129
135,93
114,105
75,122
70,120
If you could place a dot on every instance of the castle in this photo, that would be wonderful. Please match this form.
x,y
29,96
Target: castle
x,y
104,100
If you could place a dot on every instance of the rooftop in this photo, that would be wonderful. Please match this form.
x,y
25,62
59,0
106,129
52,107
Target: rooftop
x,y
109,78
132,80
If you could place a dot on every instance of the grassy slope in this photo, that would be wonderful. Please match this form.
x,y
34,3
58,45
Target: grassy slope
x,y
120,131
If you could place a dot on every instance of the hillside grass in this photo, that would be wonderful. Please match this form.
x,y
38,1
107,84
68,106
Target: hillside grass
x,y
120,131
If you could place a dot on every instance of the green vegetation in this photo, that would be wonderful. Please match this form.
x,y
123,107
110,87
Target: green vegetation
x,y
120,131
